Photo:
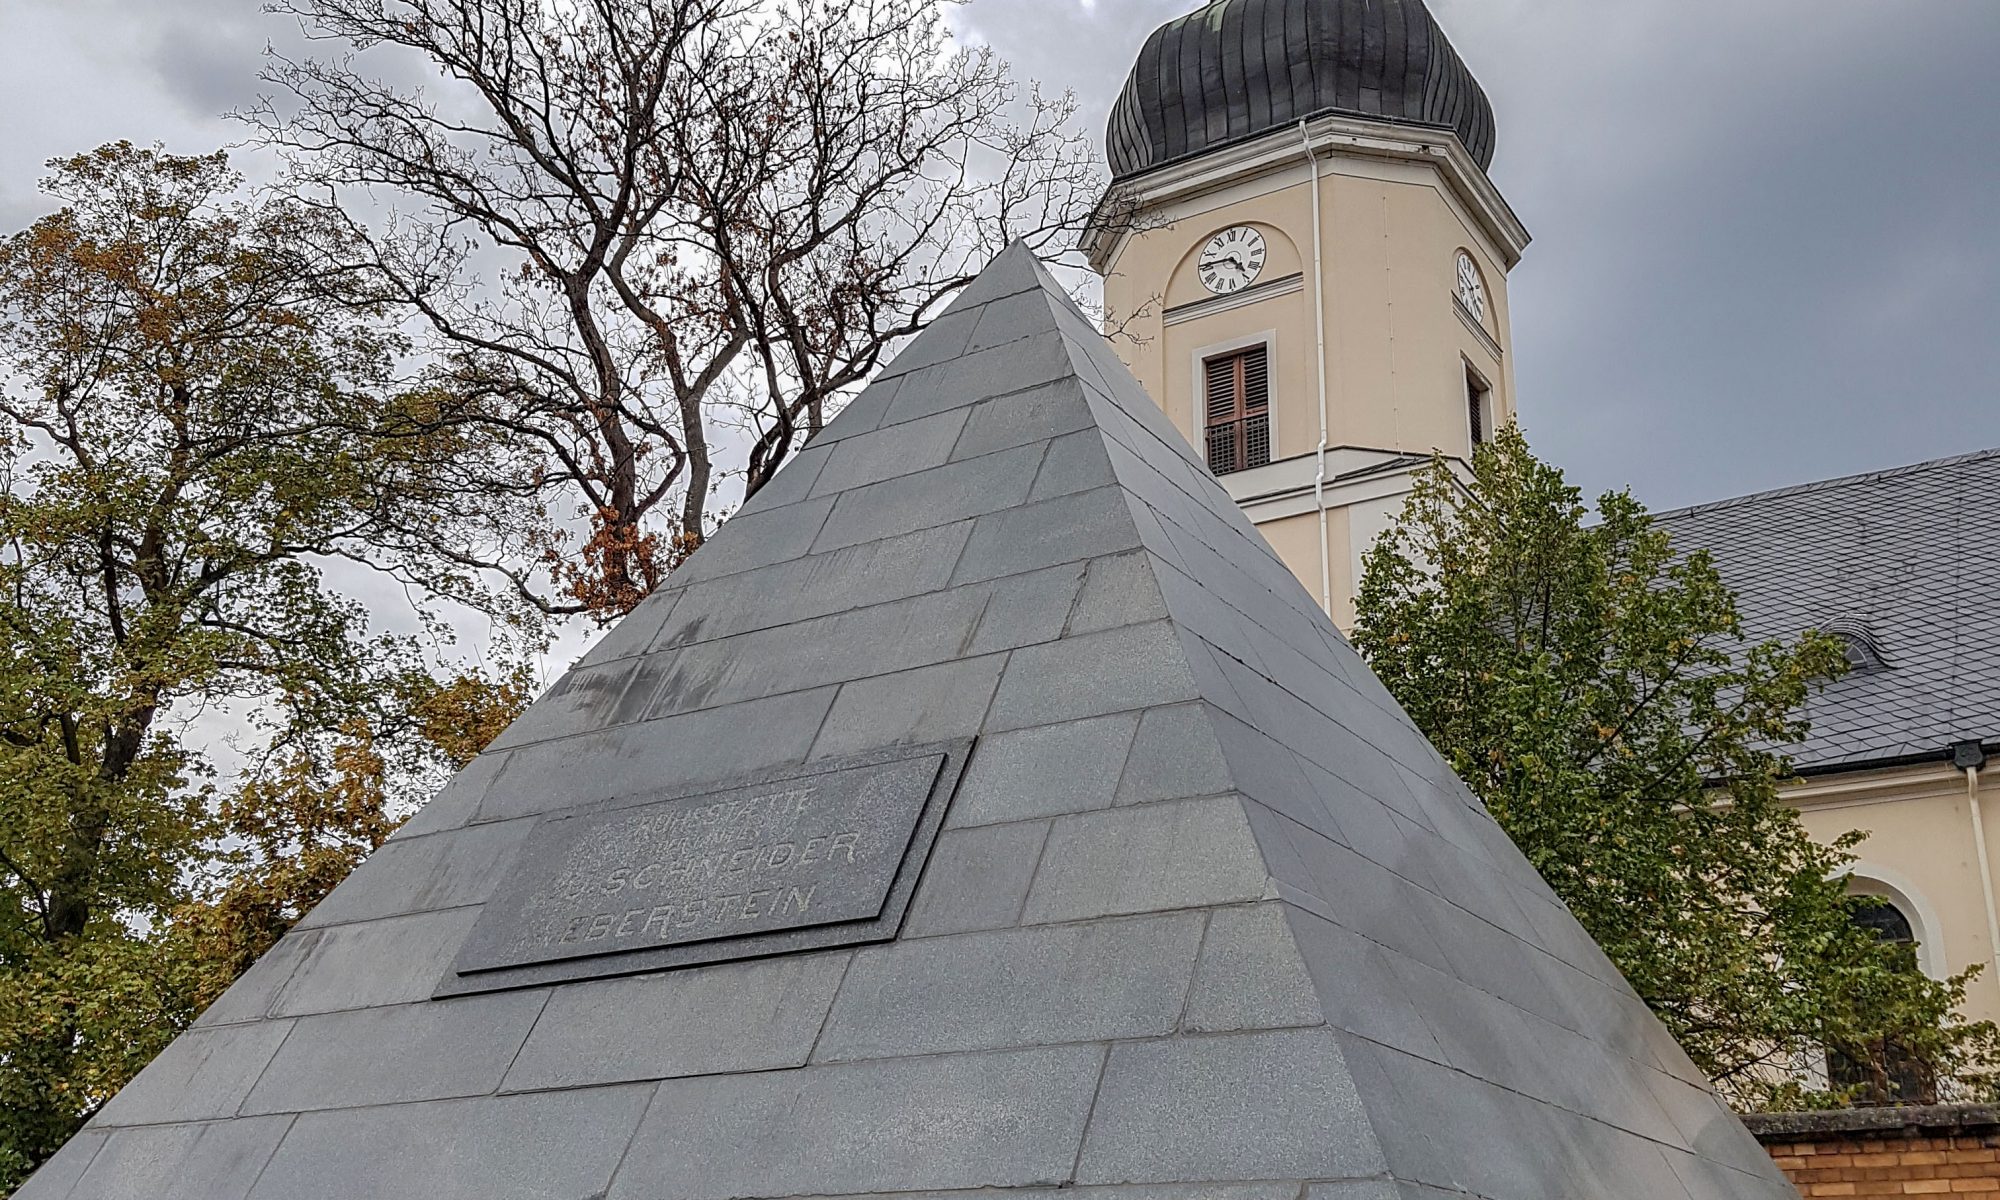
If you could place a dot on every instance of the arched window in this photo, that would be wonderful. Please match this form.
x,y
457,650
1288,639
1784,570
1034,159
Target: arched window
x,y
1883,1073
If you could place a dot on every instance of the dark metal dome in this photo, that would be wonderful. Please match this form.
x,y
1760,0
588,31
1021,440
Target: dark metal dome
x,y
1237,68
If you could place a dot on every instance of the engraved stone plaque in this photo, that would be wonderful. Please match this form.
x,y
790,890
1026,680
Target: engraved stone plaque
x,y
797,860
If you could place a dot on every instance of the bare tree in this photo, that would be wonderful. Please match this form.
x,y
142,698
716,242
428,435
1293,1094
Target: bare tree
x,y
649,236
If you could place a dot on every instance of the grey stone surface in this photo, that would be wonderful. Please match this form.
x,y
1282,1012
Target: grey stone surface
x,y
1043,534
938,496
1277,1105
457,803
1024,609
1076,463
758,539
202,1076
425,1051
996,1119
754,1016
401,1053
553,1146
818,585
1095,981
251,996
1118,669
1119,590
696,747
391,961
887,453
928,704
1038,415
422,874
1175,755
60,1173
1146,858
1001,371
1045,770
216,1160
1251,975
977,879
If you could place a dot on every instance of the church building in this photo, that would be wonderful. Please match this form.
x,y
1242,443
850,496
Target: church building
x,y
1306,264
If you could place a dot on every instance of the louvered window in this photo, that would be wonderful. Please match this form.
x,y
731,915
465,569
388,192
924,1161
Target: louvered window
x,y
1237,391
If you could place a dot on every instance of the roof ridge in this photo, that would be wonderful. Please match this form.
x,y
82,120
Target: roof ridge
x,y
1819,485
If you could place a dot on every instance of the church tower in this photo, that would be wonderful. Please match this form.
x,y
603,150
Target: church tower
x,y
1305,263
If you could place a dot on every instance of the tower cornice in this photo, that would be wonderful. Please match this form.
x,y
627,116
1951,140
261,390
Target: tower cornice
x,y
1120,212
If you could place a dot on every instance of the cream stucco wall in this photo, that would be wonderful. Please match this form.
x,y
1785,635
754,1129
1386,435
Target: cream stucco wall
x,y
1395,210
1921,855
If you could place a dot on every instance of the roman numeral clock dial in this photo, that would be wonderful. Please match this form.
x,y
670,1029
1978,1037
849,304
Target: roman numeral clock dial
x,y
1232,260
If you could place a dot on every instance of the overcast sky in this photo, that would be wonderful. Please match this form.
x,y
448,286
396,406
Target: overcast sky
x,y
1767,232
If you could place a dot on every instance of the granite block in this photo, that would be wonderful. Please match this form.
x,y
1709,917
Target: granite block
x,y
1044,770
427,1051
698,747
391,961
1024,609
251,996
546,1146
888,453
1277,1105
1006,1118
1010,320
1014,987
816,586
977,879
1133,667
1032,417
1043,534
1174,756
457,803
754,1016
214,1160
1076,463
423,874
1119,590
938,496
1146,858
1000,371
56,1176
930,704
1251,975
201,1076
758,539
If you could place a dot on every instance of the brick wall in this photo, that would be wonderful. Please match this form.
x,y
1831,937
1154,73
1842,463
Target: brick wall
x,y
1944,1150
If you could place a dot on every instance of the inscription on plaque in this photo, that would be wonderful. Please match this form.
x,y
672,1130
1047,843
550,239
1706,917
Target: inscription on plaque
x,y
791,854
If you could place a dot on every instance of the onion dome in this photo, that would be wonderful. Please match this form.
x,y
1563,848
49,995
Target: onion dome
x,y
1237,68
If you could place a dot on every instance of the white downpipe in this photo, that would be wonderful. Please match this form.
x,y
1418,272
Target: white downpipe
x,y
1319,357
1985,866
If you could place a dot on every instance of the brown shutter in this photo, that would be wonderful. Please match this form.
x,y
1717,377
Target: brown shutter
x,y
1237,401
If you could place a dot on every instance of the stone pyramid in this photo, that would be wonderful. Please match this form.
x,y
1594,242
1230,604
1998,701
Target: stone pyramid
x,y
985,809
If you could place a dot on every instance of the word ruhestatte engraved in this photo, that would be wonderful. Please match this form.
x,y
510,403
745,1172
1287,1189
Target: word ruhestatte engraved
x,y
814,850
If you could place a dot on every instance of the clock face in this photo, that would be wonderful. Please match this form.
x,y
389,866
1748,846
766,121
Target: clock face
x,y
1471,292
1232,260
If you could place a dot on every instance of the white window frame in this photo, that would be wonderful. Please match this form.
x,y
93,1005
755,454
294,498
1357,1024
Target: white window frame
x,y
1197,408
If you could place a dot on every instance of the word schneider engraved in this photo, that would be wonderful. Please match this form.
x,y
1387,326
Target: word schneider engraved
x,y
748,864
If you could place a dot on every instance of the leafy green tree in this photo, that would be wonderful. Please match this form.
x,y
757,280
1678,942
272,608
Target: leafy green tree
x,y
197,421
1592,683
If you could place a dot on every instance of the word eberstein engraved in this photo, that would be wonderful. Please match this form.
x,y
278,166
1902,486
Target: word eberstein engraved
x,y
800,852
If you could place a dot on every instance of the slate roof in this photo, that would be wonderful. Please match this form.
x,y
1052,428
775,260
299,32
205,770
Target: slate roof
x,y
1238,68
1204,917
1908,559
